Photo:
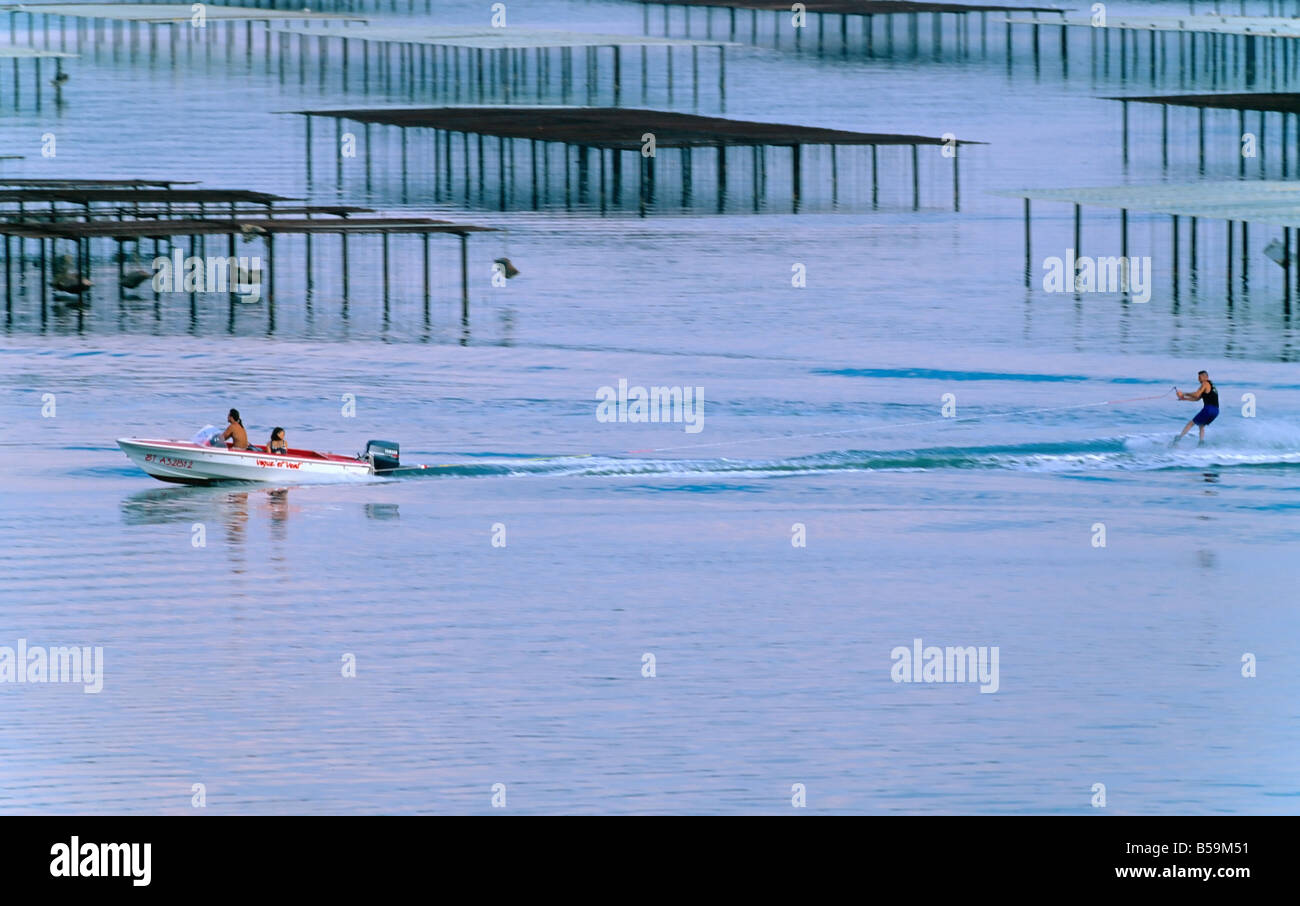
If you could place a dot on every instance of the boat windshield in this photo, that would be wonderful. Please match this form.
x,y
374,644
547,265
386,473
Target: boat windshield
x,y
205,435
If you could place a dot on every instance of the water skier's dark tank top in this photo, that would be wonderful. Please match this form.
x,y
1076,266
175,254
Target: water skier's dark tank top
x,y
1211,398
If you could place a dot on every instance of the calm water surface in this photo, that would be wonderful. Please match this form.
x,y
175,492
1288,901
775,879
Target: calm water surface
x,y
522,664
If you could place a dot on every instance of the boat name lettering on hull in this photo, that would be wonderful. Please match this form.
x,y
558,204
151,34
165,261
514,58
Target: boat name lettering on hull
x,y
278,464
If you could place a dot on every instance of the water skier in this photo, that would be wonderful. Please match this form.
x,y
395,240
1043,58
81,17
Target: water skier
x,y
1209,398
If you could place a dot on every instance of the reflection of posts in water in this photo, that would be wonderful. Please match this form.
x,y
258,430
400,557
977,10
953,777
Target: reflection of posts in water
x,y
279,501
235,519
185,505
381,511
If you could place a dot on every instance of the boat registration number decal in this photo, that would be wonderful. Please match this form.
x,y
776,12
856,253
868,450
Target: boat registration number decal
x,y
169,461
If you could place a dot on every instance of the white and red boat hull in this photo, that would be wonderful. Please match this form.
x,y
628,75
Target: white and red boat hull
x,y
189,463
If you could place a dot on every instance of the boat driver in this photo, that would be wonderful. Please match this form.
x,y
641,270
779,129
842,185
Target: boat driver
x,y
235,433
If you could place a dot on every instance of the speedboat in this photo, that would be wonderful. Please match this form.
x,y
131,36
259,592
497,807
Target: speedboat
x,y
198,462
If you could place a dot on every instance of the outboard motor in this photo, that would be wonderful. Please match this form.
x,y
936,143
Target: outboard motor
x,y
383,455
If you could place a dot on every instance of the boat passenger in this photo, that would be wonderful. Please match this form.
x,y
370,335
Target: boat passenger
x,y
235,432
277,443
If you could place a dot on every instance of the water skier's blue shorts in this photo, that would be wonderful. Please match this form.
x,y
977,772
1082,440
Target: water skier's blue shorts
x,y
1206,415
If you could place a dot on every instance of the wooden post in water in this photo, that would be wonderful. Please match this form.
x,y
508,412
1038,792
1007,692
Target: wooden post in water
x,y
425,237
1200,118
650,180
1286,265
1174,263
307,238
464,279
501,171
1028,267
796,176
916,179
722,76
616,162
722,178
1295,269
1124,117
956,178
344,238
308,119
875,178
232,278
1078,232
1164,136
532,152
695,77
1229,256
1245,259
686,175
384,246
584,161
835,179
270,268
618,75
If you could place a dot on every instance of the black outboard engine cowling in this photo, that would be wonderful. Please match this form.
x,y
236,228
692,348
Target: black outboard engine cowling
x,y
383,455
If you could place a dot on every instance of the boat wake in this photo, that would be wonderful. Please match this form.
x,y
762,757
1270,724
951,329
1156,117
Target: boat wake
x,y
1258,446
